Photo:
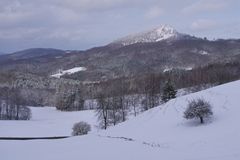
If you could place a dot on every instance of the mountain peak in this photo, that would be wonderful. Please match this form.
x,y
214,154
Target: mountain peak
x,y
160,33
164,32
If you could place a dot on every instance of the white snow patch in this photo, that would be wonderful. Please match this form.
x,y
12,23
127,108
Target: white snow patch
x,y
188,68
180,68
69,71
167,69
203,52
68,51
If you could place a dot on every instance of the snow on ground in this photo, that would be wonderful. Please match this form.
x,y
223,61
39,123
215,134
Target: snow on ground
x,y
47,121
203,52
188,68
69,71
160,133
168,69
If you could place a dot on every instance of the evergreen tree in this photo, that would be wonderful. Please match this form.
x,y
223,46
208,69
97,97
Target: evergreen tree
x,y
169,92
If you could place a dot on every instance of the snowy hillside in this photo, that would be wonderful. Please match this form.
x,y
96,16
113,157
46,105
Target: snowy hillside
x,y
160,133
163,32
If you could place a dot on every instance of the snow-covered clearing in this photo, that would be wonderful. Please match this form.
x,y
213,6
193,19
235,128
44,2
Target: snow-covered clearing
x,y
69,71
160,133
168,69
203,52
47,121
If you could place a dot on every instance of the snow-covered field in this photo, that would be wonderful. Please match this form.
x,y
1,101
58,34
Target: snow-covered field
x,y
160,133
47,121
69,71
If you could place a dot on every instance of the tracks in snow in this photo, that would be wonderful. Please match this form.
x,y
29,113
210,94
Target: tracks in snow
x,y
149,144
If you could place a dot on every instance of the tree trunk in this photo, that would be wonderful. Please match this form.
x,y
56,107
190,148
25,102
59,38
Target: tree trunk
x,y
135,113
105,123
201,119
17,116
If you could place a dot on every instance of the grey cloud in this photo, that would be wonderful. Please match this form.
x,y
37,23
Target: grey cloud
x,y
80,24
206,5
154,12
203,24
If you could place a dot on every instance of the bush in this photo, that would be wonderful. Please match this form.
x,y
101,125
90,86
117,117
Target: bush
x,y
198,109
81,128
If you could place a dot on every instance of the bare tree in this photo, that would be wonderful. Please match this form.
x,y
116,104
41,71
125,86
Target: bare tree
x,y
134,101
115,116
198,109
102,110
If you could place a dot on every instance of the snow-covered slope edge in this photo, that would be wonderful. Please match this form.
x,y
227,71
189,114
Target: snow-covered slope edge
x,y
165,121
160,133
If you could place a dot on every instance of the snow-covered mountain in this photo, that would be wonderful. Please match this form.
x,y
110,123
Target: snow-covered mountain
x,y
166,49
164,32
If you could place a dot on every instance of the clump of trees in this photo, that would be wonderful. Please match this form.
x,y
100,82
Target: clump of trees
x,y
12,105
198,108
117,99
151,91
113,104
111,110
81,128
69,99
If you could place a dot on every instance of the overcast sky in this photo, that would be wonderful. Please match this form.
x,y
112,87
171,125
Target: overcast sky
x,y
82,24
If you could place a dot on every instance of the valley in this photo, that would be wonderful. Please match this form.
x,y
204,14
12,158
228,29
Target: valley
x,y
160,132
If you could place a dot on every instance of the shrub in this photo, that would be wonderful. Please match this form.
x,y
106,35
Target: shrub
x,y
81,128
198,109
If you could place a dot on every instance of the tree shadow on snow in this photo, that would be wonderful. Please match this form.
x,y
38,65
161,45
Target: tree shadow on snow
x,y
196,122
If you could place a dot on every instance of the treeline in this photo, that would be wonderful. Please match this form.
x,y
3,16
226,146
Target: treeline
x,y
78,96
215,74
152,84
69,98
74,95
218,73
